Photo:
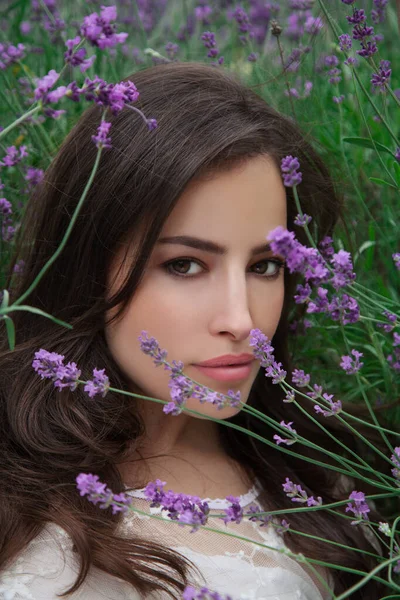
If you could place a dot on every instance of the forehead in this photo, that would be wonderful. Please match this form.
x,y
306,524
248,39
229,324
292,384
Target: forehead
x,y
242,203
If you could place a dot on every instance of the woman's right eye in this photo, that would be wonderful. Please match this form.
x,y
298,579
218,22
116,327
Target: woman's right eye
x,y
178,267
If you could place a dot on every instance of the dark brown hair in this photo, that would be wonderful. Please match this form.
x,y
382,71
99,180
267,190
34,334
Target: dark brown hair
x,y
207,121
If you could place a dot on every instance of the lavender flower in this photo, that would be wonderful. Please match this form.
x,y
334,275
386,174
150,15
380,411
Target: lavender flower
x,y
235,512
391,317
150,346
242,18
190,593
262,349
208,38
290,174
338,99
335,407
44,84
99,385
352,365
99,31
344,309
78,58
395,458
13,156
46,364
67,376
10,54
378,13
299,378
297,494
397,154
101,140
50,365
345,42
288,442
381,79
303,220
171,49
34,176
276,372
290,396
202,14
343,269
360,508
97,492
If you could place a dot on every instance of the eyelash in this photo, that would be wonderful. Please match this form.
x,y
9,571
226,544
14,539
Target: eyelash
x,y
279,263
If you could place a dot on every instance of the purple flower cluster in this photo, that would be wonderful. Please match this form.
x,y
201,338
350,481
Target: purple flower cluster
x,y
394,359
388,327
101,140
7,229
352,365
395,458
263,352
345,42
294,92
335,74
10,54
302,220
335,406
33,177
13,156
208,39
202,14
297,494
360,508
115,96
181,387
381,79
378,13
50,365
78,58
310,262
171,50
289,168
98,493
361,31
99,31
279,440
190,593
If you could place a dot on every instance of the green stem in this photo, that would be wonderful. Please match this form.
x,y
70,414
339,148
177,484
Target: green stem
x,y
29,113
67,233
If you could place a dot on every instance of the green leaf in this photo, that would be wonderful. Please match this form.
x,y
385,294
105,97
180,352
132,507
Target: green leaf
x,y
363,247
366,143
396,168
383,182
6,297
10,332
37,311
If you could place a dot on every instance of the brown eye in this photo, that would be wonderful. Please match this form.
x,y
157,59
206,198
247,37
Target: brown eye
x,y
181,267
278,264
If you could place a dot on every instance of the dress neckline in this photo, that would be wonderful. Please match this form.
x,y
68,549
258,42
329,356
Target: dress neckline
x,y
244,499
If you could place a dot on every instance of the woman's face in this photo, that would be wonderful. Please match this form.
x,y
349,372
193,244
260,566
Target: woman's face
x,y
202,303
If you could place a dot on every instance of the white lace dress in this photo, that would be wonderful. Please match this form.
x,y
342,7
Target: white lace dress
x,y
228,565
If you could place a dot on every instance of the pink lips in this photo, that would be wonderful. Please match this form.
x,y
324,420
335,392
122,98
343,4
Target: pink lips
x,y
229,367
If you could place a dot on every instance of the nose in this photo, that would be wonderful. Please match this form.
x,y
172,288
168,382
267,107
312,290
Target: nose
x,y
231,313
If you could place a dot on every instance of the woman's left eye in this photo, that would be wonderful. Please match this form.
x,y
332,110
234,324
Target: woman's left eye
x,y
176,267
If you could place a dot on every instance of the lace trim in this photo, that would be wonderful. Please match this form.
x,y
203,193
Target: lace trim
x,y
244,499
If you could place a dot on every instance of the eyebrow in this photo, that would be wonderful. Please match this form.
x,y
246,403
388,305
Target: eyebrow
x,y
208,246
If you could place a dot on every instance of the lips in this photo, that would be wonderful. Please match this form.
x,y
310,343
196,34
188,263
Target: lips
x,y
227,360
237,372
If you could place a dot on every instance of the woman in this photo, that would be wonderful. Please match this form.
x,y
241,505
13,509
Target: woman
x,y
165,242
